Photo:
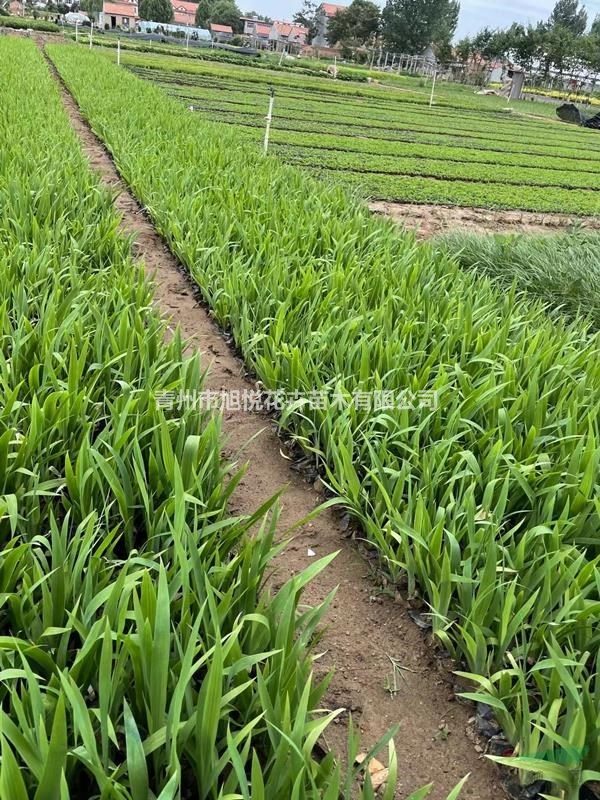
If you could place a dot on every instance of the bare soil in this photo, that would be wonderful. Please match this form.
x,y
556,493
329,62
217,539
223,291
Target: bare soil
x,y
433,220
436,741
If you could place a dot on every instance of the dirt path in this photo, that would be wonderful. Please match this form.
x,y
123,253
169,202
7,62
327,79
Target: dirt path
x,y
433,220
363,630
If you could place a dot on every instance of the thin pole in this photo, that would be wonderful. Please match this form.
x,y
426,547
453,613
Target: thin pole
x,y
282,55
187,39
432,89
269,118
91,33
76,32
119,52
334,67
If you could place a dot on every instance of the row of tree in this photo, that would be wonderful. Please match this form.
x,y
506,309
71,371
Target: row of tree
x,y
403,26
562,42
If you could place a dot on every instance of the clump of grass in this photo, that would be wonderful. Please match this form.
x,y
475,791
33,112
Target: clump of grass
x,y
562,270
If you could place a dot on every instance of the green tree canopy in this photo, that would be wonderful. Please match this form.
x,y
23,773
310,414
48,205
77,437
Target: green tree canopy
x,y
358,23
203,13
409,26
568,15
221,12
307,17
156,10
91,7
256,15
226,12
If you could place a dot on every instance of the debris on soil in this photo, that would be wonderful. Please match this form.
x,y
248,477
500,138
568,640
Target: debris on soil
x,y
486,721
534,791
433,220
377,772
420,620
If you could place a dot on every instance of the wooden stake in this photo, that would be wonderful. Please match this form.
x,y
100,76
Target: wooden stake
x,y
269,118
432,89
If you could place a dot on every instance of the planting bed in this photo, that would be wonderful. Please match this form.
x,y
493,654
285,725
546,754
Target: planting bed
x,y
484,502
141,655
389,144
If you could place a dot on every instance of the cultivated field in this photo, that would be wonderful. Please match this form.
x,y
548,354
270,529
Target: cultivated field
x,y
141,655
477,481
389,144
447,394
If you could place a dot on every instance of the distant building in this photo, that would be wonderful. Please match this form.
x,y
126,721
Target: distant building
x,y
275,35
123,15
257,30
221,33
184,13
288,36
322,16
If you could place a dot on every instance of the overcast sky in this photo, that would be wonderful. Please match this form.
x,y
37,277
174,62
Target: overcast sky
x,y
474,14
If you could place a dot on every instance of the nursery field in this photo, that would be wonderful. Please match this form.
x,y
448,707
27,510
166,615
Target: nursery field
x,y
387,143
141,655
473,465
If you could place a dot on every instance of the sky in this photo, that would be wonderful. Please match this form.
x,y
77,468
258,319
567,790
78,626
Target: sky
x,y
474,14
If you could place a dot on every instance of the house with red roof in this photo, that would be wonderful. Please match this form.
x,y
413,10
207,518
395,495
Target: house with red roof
x,y
322,16
256,29
121,14
184,13
288,36
221,33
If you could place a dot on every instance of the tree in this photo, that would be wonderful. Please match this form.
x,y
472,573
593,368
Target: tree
x,y
567,14
203,13
225,12
561,48
524,46
156,10
409,26
221,12
307,17
259,17
358,23
589,50
464,50
91,7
